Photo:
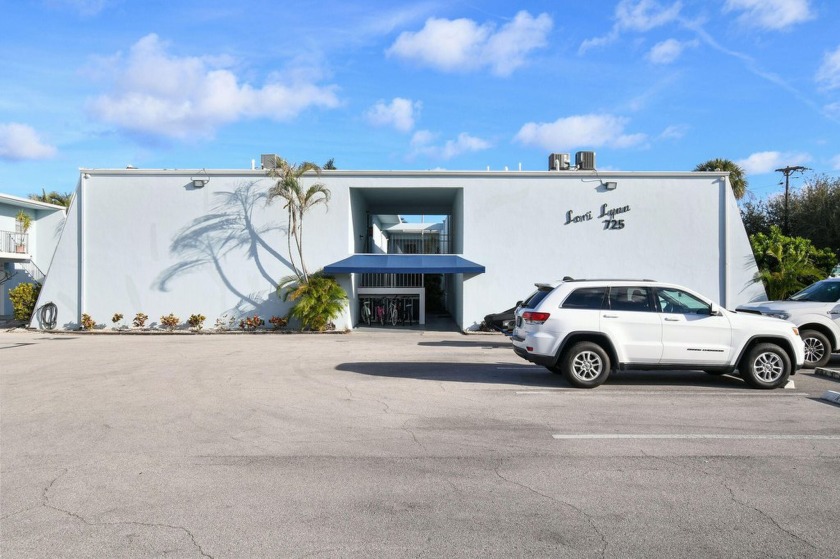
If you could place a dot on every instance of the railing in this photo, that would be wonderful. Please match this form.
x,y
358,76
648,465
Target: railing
x,y
34,272
415,243
14,242
391,280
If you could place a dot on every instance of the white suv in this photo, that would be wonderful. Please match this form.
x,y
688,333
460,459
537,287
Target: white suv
x,y
816,311
584,329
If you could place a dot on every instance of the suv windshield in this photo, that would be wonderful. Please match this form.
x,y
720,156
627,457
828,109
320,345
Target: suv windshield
x,y
821,292
534,298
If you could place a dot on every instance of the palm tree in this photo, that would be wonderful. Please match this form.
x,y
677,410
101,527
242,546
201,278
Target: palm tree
x,y
736,174
297,202
53,197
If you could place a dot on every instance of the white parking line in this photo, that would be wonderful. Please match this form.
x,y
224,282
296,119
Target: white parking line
x,y
702,436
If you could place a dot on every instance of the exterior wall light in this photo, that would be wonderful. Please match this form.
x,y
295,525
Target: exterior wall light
x,y
199,182
611,185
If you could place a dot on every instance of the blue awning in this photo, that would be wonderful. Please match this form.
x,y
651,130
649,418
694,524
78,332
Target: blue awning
x,y
404,264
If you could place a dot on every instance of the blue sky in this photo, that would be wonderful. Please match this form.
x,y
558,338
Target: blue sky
x,y
646,84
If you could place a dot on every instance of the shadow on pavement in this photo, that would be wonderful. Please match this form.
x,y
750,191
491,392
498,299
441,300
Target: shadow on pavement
x,y
532,375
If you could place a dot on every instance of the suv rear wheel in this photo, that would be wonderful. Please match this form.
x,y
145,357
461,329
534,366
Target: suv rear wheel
x,y
817,348
586,365
766,366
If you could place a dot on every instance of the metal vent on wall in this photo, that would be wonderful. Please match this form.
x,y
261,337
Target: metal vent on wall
x,y
585,160
268,161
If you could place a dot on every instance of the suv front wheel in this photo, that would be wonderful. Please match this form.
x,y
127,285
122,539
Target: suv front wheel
x,y
586,365
766,366
817,348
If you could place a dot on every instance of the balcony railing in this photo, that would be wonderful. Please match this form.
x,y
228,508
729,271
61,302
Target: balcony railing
x,y
14,242
414,243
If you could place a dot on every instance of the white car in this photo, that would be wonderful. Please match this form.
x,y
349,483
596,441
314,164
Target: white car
x,y
816,311
585,329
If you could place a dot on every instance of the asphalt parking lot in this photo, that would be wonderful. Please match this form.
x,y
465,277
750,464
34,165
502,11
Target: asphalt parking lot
x,y
397,444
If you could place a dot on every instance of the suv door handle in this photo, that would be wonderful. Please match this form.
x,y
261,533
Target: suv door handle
x,y
672,319
610,316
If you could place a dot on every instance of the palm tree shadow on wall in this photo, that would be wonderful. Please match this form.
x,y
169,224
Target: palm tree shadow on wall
x,y
228,229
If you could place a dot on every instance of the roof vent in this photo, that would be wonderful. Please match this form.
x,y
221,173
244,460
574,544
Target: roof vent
x,y
269,160
585,160
558,162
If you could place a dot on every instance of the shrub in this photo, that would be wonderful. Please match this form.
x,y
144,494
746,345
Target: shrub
x,y
170,321
24,297
87,322
318,301
117,318
787,264
196,321
250,323
278,322
140,320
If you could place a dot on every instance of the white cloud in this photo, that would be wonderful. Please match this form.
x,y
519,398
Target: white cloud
x,y
835,162
635,15
770,14
828,74
644,15
768,161
592,130
422,144
20,141
669,50
399,113
673,132
183,97
461,45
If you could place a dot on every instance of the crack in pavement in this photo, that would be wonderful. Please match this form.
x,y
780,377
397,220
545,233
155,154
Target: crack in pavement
x,y
732,496
766,515
584,514
45,502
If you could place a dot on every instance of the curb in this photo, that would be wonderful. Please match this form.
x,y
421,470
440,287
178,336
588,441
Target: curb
x,y
830,373
831,396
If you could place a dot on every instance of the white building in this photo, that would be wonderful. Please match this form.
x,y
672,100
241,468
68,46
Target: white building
x,y
25,254
190,241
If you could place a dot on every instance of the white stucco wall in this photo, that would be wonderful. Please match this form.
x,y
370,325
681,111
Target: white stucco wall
x,y
149,242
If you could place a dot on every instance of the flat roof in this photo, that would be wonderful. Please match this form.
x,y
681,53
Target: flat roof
x,y
28,203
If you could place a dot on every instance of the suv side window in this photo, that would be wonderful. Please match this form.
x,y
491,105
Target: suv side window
x,y
677,301
630,298
585,298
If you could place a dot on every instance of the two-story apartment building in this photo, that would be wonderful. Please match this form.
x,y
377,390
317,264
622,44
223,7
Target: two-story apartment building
x,y
209,242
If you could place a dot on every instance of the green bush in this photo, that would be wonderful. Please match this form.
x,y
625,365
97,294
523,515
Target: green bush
x,y
24,297
317,301
787,264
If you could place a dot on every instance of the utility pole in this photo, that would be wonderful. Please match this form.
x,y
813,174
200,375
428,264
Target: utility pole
x,y
787,172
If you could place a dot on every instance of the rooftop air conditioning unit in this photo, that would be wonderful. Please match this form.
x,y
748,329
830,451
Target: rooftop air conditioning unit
x,y
558,162
585,160
268,161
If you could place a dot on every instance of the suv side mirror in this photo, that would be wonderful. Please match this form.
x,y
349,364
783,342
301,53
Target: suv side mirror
x,y
714,310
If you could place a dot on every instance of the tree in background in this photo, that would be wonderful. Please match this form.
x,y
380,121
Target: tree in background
x,y
814,213
788,264
298,201
737,178
53,198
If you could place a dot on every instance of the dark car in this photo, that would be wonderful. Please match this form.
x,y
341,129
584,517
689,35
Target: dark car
x,y
502,321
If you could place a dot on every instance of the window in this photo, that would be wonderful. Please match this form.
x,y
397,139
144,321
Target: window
x,y
630,298
822,291
679,302
534,298
585,298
